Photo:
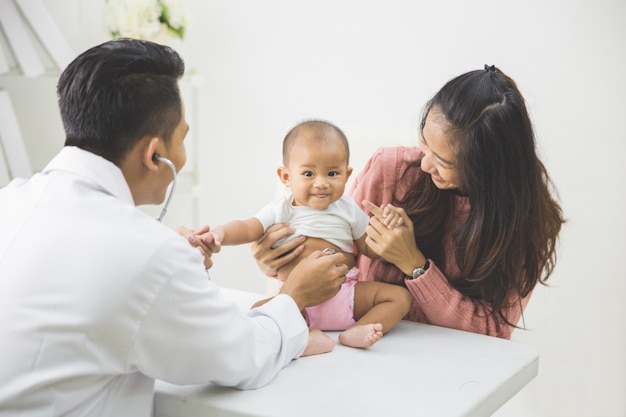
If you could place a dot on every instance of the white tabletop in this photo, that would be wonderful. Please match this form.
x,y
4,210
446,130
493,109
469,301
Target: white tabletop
x,y
416,369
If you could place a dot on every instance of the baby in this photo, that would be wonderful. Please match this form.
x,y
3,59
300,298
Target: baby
x,y
315,170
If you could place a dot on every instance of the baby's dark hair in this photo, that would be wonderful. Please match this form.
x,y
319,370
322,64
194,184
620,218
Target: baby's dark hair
x,y
324,130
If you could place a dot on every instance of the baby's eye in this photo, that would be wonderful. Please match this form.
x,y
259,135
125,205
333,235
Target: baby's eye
x,y
333,173
307,173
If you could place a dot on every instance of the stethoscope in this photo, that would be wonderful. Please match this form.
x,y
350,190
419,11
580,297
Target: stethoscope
x,y
169,163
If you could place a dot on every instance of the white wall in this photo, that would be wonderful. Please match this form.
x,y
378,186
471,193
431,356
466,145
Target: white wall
x,y
369,67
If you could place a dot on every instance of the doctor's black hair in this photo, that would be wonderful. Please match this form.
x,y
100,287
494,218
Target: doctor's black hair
x,y
118,92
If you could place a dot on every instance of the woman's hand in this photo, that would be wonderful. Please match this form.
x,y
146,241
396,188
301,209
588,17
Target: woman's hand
x,y
271,259
194,237
395,244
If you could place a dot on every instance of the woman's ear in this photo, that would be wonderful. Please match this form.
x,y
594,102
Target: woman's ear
x,y
283,174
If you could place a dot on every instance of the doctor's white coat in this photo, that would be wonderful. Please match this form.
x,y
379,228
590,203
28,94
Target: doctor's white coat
x,y
97,299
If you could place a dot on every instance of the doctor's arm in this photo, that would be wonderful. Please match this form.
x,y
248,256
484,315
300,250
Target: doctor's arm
x,y
191,334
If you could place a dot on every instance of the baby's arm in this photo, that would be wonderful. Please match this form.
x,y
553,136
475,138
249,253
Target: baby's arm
x,y
364,249
235,232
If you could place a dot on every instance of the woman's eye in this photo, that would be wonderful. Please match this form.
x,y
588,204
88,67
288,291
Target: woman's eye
x,y
446,166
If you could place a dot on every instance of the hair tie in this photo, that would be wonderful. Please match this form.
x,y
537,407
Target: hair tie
x,y
491,68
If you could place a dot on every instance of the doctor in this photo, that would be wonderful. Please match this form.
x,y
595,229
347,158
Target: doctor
x,y
97,299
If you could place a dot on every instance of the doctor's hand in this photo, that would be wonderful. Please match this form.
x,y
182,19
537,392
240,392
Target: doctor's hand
x,y
316,278
195,240
271,259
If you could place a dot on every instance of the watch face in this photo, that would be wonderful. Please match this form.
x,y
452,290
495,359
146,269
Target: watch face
x,y
420,271
417,272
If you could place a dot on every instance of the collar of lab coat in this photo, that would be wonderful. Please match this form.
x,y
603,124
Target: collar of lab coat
x,y
93,168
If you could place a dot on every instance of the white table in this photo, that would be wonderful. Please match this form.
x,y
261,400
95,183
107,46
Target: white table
x,y
416,370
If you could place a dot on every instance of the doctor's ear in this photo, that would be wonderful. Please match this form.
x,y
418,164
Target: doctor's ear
x,y
149,155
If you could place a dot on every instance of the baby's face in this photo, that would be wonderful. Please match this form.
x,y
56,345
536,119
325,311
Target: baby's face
x,y
317,173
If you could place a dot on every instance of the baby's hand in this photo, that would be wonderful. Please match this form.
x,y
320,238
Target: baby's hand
x,y
213,239
194,237
391,217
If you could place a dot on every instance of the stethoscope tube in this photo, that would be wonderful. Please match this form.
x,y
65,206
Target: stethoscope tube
x,y
169,197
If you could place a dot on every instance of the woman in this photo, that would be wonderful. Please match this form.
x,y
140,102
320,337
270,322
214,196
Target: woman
x,y
480,225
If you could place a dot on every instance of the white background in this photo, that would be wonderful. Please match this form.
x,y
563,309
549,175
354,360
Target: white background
x,y
369,66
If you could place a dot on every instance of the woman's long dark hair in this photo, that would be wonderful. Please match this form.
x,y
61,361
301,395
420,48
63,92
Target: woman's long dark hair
x,y
508,242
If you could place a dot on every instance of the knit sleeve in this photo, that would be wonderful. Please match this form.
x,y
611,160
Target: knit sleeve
x,y
379,183
436,302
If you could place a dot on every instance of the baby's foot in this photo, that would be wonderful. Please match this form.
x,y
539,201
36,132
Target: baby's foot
x,y
361,336
319,342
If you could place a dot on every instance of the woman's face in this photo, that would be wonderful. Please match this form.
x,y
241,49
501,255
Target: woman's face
x,y
439,156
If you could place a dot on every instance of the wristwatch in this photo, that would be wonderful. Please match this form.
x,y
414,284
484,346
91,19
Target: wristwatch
x,y
420,271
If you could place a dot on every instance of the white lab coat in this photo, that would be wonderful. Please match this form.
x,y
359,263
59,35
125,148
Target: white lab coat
x,y
97,299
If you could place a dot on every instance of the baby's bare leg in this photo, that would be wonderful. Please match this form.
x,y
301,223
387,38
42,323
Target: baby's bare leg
x,y
319,342
378,307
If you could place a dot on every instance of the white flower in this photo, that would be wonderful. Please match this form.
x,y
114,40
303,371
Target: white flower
x,y
177,14
145,19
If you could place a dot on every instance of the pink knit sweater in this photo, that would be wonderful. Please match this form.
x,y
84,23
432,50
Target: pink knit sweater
x,y
435,301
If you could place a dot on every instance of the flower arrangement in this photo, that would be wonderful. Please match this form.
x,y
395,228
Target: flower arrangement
x,y
146,19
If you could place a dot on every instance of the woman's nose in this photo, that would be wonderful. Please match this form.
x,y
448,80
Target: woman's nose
x,y
427,162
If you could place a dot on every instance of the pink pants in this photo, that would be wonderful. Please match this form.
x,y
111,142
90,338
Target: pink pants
x,y
336,313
